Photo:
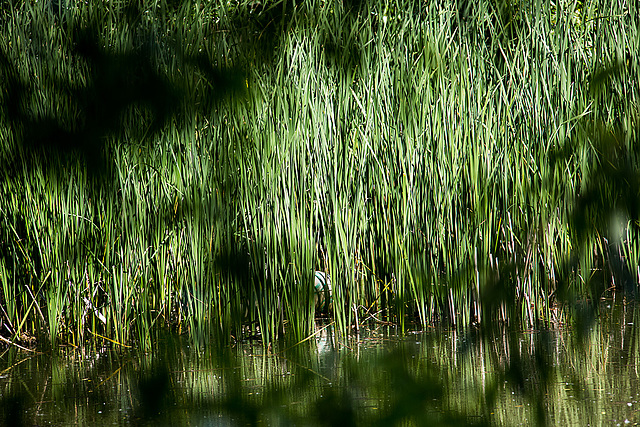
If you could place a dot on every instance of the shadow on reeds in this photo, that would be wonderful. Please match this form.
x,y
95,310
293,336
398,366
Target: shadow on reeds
x,y
86,94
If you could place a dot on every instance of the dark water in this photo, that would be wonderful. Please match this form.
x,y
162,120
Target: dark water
x,y
432,377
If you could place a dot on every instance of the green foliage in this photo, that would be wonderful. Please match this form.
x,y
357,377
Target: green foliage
x,y
189,165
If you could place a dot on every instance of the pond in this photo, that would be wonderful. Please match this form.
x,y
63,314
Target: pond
x,y
380,377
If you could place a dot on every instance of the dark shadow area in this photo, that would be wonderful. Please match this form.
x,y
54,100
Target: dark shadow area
x,y
12,409
99,91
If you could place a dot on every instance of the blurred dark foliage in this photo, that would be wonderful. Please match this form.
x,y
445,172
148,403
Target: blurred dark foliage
x,y
12,410
154,392
612,190
610,193
102,88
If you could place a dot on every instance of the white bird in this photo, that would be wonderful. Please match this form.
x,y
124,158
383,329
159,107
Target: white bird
x,y
322,291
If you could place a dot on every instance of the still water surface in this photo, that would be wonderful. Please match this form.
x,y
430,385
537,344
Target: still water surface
x,y
379,377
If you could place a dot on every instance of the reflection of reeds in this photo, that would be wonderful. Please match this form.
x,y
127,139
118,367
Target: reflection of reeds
x,y
440,377
439,163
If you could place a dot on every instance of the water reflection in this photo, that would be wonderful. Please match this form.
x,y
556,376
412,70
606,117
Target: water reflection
x,y
435,377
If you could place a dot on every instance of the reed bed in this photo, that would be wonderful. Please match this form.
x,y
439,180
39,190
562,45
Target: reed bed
x,y
189,165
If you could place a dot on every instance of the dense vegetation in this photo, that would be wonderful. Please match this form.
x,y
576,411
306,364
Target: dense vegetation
x,y
190,164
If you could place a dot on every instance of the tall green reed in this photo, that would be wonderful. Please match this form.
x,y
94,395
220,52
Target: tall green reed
x,y
439,162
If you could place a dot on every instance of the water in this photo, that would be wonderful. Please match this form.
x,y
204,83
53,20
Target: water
x,y
433,377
